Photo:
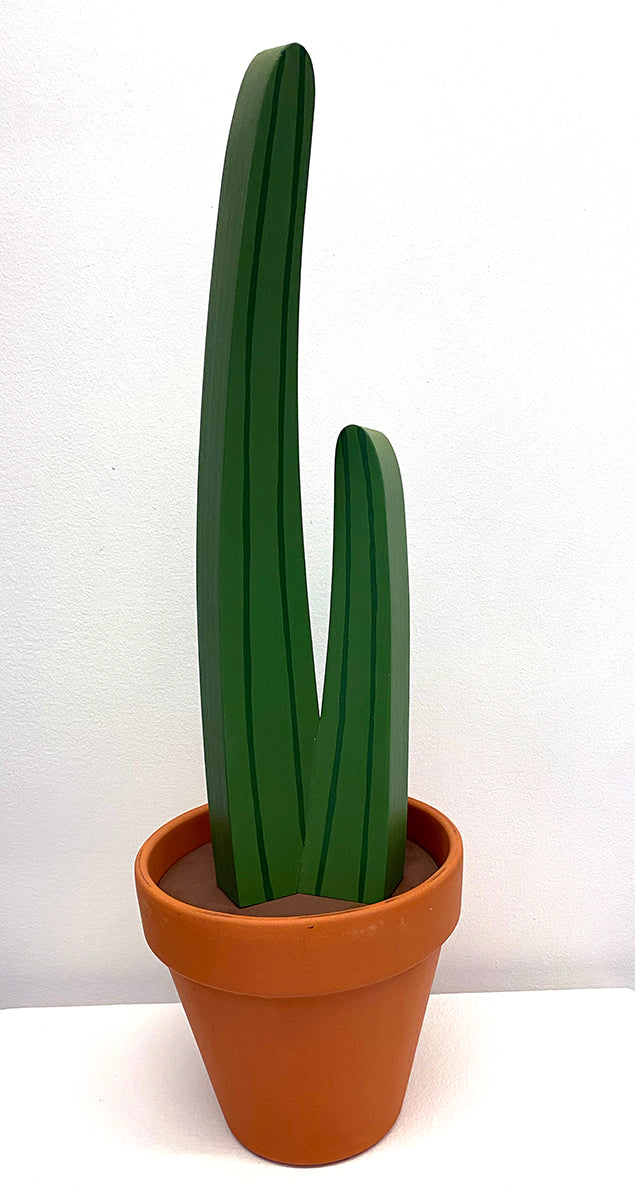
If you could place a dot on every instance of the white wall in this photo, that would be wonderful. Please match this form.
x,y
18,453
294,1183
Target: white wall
x,y
468,289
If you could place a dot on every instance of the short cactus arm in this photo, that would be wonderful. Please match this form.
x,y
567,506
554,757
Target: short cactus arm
x,y
258,694
356,830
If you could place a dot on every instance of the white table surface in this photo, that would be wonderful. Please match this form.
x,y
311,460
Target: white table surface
x,y
526,1094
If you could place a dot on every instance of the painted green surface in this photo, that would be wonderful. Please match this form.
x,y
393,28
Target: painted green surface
x,y
258,694
294,803
356,827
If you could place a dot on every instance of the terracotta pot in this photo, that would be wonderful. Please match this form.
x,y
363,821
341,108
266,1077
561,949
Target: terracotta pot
x,y
307,1025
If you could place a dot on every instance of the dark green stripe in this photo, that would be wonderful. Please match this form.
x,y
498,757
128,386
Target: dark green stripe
x,y
282,561
330,811
363,865
247,663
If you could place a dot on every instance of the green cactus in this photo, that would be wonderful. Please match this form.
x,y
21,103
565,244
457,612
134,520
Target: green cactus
x,y
356,830
258,694
293,802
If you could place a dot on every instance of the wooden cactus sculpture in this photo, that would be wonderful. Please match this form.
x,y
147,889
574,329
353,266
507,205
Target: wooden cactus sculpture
x,y
258,694
296,802
356,827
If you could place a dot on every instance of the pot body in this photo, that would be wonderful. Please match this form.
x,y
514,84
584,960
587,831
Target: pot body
x,y
308,1026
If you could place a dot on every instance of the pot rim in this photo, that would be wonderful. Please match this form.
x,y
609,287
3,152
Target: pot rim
x,y
306,954
146,876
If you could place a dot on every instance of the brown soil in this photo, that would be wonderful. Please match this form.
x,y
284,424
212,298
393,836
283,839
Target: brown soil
x,y
192,879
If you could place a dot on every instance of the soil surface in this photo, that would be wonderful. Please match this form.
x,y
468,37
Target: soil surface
x,y
192,879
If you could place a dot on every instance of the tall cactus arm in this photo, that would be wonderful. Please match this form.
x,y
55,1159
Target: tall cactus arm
x,y
258,694
356,828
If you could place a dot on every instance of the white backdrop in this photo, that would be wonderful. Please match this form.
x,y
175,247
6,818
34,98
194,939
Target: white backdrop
x,y
468,289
